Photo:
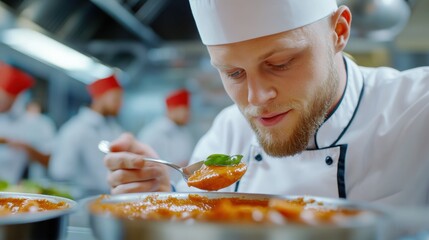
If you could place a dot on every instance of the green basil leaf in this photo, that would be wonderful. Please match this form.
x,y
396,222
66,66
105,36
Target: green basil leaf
x,y
222,160
235,159
216,159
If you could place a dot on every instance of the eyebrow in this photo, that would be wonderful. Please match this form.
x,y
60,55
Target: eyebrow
x,y
273,51
260,58
265,55
220,66
297,45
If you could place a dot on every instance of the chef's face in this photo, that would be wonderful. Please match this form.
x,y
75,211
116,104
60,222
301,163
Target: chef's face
x,y
284,84
112,102
180,115
6,101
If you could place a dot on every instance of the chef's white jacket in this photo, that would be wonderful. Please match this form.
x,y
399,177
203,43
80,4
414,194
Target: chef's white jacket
x,y
35,130
172,142
373,147
76,158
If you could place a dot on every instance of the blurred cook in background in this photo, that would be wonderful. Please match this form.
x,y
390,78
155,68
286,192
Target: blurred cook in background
x,y
169,136
34,111
24,137
76,158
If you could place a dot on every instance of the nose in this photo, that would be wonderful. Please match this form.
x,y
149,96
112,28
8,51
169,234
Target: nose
x,y
260,91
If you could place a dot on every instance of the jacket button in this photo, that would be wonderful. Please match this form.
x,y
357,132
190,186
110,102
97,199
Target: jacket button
x,y
329,160
258,157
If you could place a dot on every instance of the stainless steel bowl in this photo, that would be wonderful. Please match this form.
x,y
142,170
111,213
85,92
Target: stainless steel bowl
x,y
39,225
107,227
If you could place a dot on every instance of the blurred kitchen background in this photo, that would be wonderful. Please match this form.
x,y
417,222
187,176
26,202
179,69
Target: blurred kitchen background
x,y
155,47
154,43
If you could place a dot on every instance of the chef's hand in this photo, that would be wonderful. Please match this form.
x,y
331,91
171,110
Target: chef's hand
x,y
33,153
19,145
128,173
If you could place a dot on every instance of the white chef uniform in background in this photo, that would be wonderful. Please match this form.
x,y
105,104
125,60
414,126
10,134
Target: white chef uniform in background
x,y
17,125
76,158
169,135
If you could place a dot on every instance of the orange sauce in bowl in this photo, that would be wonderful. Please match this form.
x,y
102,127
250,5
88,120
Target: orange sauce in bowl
x,y
213,178
15,205
223,210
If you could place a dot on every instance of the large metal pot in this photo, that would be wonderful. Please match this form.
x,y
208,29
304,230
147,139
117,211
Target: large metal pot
x,y
107,227
38,225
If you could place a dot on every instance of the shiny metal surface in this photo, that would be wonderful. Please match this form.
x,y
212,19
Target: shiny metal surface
x,y
110,228
380,20
41,225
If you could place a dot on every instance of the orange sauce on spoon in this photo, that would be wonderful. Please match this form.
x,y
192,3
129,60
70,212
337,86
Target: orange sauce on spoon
x,y
213,178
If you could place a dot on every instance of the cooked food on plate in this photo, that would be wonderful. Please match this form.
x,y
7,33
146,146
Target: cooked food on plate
x,y
14,205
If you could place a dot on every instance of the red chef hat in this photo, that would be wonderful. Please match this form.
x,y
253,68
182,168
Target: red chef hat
x,y
178,98
13,80
100,86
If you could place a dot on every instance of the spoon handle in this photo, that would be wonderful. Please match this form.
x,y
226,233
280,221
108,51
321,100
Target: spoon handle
x,y
104,146
162,162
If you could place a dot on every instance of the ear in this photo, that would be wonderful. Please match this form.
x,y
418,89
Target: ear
x,y
341,23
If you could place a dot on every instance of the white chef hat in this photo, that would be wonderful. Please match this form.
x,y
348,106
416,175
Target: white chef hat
x,y
229,21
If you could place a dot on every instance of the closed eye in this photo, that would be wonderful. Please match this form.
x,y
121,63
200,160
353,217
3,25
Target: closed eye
x,y
279,67
236,74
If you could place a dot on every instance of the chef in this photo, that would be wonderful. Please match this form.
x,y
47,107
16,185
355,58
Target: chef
x,y
169,135
307,119
76,158
24,138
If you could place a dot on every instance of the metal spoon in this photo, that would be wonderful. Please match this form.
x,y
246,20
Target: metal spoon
x,y
187,171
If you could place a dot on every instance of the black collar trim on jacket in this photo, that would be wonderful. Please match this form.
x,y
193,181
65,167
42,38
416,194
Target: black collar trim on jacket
x,y
341,172
338,104
354,114
359,84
